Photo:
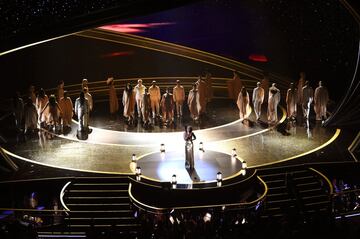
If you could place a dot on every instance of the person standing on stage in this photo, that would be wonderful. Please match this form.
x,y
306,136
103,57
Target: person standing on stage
x,y
60,91
273,101
201,88
167,107
321,100
66,107
89,98
192,102
258,99
234,86
82,111
41,100
179,98
300,86
291,102
265,86
146,109
54,112
139,91
30,116
189,136
128,101
243,104
307,99
155,97
113,99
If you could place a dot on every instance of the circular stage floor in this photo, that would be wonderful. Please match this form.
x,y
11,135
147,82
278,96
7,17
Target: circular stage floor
x,y
161,166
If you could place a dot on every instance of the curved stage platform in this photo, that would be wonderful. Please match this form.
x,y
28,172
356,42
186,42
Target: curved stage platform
x,y
109,147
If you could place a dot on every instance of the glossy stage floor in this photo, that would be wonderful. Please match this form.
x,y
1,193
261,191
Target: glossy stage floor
x,y
109,148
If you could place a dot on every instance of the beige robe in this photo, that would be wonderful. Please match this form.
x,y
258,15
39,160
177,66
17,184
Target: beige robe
x,y
179,98
321,99
273,101
291,102
258,99
243,105
193,104
299,91
66,107
307,99
90,100
40,104
113,100
201,87
155,96
167,107
234,87
128,101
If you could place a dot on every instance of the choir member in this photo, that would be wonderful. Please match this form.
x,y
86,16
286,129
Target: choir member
x,y
18,110
307,98
113,99
128,101
321,99
82,111
139,91
146,109
291,102
273,101
167,107
201,88
89,98
258,99
41,100
84,84
243,104
155,97
179,98
66,107
53,112
30,115
192,102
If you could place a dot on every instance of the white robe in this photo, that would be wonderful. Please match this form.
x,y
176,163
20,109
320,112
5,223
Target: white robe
x,y
307,99
139,91
291,102
321,99
273,102
258,99
155,96
66,107
193,104
128,101
30,116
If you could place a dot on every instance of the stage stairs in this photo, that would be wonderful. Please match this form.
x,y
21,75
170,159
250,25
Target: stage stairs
x,y
99,206
299,191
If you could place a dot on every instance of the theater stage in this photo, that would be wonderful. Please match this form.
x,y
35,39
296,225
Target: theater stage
x,y
109,147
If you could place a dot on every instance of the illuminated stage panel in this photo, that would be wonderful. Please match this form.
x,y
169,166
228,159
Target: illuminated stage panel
x,y
207,165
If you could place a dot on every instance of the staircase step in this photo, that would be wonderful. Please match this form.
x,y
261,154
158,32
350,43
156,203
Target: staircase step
x,y
99,186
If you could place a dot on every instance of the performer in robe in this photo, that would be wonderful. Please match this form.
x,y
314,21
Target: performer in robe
x,y
273,101
201,87
18,110
321,99
66,107
265,86
89,98
41,100
30,116
179,98
192,102
234,86
209,89
243,104
258,99
81,111
60,90
189,136
139,90
113,99
291,102
53,113
155,97
307,99
300,86
128,101
167,107
146,109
